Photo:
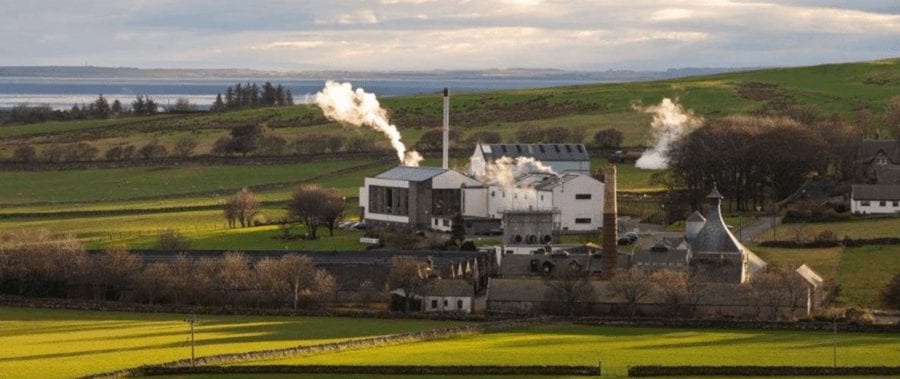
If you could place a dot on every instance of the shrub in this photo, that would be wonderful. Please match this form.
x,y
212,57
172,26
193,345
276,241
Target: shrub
x,y
24,153
152,149
171,240
890,296
185,147
609,138
484,136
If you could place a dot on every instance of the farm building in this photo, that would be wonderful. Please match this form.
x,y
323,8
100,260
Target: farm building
x,y
447,295
875,198
417,197
560,157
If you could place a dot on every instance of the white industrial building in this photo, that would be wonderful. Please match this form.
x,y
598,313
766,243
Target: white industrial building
x,y
419,197
561,157
575,199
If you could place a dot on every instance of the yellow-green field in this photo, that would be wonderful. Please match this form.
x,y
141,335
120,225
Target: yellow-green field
x,y
620,347
39,343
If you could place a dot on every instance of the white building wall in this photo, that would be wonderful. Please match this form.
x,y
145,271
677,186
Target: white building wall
x,y
364,199
501,199
446,304
475,202
874,206
571,207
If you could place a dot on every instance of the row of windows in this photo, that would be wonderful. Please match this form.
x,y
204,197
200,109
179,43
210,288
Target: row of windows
x,y
882,203
568,148
434,304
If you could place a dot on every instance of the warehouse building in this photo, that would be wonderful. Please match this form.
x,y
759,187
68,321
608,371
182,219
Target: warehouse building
x,y
561,157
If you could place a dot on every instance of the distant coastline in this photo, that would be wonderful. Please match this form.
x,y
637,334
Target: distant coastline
x,y
60,87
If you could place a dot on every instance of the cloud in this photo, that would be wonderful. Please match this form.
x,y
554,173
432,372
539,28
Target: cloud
x,y
449,34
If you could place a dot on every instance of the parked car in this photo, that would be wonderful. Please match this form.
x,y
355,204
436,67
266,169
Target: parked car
x,y
627,239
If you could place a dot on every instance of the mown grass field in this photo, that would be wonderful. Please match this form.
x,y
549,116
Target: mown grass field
x,y
856,228
620,347
39,343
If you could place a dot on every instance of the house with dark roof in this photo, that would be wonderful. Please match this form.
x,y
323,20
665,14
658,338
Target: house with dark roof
x,y
880,161
875,198
417,197
447,295
561,157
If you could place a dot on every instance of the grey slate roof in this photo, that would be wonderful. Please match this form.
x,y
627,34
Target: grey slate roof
x,y
876,192
412,174
518,265
664,252
870,148
696,216
541,152
449,287
714,236
889,174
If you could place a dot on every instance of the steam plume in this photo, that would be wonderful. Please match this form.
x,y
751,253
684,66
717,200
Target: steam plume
x,y
670,122
341,103
504,170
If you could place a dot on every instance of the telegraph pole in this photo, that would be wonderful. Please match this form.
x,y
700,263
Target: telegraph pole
x,y
192,320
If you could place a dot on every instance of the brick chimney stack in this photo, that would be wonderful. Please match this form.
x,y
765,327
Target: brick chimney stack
x,y
610,257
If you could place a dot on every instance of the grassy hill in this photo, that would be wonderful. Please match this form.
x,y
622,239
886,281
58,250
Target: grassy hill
x,y
832,89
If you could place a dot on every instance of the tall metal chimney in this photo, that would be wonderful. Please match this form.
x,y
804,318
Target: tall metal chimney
x,y
446,163
609,259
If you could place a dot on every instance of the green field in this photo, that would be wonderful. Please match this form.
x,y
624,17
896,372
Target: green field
x,y
857,228
59,344
620,347
18,187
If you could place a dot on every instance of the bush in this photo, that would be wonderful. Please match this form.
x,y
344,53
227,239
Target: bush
x,y
609,138
25,154
890,296
152,149
484,136
171,240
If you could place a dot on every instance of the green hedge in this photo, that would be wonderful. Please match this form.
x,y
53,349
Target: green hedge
x,y
761,370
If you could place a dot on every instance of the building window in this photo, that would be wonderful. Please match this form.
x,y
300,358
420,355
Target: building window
x,y
864,203
446,222
434,304
582,196
459,304
583,220
896,203
445,303
882,203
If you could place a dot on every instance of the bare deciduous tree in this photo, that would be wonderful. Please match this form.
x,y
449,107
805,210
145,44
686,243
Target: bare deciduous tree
x,y
631,286
406,276
313,206
242,207
571,288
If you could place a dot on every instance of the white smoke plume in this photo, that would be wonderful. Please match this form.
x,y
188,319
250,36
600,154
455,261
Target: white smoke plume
x,y
504,171
340,102
670,123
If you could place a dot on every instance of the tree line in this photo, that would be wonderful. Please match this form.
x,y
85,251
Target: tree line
x,y
37,264
755,160
251,95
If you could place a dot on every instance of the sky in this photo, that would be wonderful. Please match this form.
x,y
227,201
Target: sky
x,y
446,34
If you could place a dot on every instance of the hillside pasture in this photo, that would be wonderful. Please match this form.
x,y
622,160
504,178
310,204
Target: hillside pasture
x,y
620,347
41,343
23,187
